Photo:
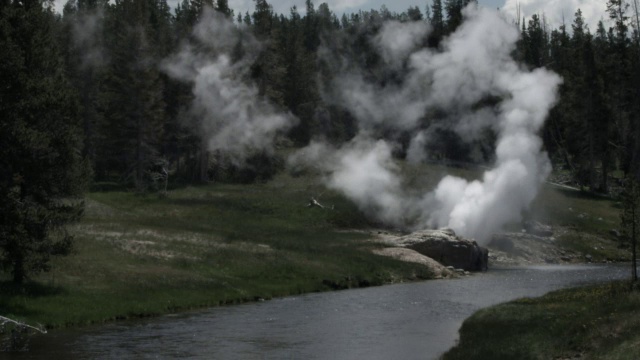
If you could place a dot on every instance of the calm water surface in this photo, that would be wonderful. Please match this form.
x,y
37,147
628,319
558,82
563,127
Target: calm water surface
x,y
405,321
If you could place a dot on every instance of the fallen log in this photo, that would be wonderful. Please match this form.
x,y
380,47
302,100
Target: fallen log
x,y
314,203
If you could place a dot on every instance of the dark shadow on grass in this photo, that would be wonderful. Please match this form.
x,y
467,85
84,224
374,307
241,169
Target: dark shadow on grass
x,y
9,290
30,289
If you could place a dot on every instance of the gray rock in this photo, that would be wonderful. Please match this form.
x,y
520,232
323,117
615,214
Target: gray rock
x,y
447,248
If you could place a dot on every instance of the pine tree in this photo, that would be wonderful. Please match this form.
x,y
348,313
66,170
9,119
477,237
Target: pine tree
x,y
222,6
414,14
41,171
437,22
133,97
535,43
555,130
268,70
85,59
262,19
630,219
621,93
299,87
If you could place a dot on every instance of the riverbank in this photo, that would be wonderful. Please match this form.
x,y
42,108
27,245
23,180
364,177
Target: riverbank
x,y
144,255
138,256
595,322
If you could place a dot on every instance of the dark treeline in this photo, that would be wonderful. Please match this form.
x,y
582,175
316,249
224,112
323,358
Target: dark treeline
x,y
84,98
132,113
133,119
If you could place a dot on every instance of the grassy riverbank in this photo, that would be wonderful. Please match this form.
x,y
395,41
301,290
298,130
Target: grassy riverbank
x,y
203,246
139,255
596,322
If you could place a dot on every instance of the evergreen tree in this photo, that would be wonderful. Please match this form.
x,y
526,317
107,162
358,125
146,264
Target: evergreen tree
x,y
262,19
85,59
454,14
222,6
299,85
437,22
630,219
535,43
414,14
41,171
621,93
133,96
268,70
555,135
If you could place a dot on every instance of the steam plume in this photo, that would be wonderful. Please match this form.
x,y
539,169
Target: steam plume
x,y
233,116
86,26
474,64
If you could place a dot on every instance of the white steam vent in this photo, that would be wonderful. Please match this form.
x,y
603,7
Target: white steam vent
x,y
474,63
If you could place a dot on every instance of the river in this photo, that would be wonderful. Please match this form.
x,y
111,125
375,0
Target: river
x,y
402,321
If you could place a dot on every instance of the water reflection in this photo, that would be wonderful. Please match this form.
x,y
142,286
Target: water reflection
x,y
405,321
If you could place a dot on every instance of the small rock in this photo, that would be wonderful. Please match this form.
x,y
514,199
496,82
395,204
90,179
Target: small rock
x,y
588,257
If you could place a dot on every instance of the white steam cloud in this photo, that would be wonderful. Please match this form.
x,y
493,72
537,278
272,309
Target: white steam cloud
x,y
473,64
232,115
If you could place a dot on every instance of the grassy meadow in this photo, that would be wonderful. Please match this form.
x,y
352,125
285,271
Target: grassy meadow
x,y
595,322
583,222
142,255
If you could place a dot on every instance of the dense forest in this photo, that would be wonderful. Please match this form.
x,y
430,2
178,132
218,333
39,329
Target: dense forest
x,y
106,93
135,119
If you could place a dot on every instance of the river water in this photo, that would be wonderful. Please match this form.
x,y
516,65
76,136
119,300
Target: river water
x,y
404,321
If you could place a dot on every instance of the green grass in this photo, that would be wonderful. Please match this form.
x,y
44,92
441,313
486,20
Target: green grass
x,y
586,219
202,246
574,208
596,322
221,244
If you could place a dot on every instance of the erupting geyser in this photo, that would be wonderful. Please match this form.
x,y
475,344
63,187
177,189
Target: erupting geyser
x,y
473,64
472,79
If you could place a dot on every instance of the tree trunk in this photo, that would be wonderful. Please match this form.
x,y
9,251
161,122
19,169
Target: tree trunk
x,y
634,240
605,172
203,168
592,163
18,270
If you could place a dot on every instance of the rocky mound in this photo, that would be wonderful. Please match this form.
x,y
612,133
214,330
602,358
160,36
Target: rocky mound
x,y
445,247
